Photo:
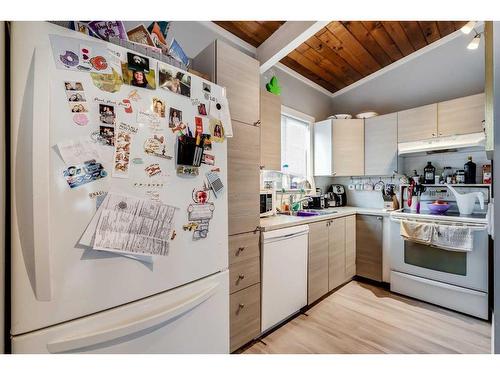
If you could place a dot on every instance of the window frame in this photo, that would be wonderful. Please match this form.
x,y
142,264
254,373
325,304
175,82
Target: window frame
x,y
310,120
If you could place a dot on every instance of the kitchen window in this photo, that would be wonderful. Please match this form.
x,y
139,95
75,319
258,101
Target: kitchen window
x,y
296,142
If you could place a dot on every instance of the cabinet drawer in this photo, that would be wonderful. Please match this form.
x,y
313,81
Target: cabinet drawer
x,y
244,316
243,274
243,247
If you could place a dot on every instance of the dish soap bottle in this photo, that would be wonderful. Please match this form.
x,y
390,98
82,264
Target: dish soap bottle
x,y
470,171
429,173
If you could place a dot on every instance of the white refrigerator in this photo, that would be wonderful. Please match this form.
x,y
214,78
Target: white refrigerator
x,y
69,298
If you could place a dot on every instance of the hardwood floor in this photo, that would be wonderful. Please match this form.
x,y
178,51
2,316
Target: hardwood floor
x,y
362,318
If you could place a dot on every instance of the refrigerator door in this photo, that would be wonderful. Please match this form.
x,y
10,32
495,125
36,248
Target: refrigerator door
x,y
190,319
54,279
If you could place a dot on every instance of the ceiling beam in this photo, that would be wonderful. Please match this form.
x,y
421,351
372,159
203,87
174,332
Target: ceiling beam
x,y
284,40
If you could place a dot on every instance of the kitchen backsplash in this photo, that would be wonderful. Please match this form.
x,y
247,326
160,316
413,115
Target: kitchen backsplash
x,y
373,199
455,160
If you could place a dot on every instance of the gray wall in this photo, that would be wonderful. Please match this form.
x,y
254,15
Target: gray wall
x,y
446,72
299,96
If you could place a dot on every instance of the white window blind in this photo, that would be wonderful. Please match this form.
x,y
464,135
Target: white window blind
x,y
295,145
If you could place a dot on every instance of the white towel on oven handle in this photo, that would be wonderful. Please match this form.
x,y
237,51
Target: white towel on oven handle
x,y
454,238
416,232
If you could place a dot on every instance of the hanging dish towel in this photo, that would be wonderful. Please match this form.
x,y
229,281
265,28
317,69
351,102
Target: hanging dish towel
x,y
452,238
416,232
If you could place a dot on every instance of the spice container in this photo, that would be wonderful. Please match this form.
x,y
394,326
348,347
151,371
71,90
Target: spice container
x,y
487,174
460,176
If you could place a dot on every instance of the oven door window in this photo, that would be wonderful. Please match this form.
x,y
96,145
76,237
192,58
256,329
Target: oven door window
x,y
433,258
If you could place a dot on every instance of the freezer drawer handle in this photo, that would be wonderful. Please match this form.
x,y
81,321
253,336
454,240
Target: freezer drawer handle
x,y
137,325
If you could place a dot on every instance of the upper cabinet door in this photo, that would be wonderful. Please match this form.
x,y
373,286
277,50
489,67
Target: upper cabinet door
x,y
323,148
348,147
239,73
270,131
461,116
243,151
381,145
417,123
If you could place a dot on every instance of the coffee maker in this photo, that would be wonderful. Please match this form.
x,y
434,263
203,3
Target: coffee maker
x,y
337,196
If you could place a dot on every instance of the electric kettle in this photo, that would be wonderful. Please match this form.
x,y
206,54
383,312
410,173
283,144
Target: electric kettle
x,y
467,201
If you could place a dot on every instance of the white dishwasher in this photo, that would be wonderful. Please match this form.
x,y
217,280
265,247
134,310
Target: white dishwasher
x,y
284,273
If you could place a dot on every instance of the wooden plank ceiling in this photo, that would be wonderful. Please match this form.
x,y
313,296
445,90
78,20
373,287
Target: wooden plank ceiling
x,y
345,51
252,32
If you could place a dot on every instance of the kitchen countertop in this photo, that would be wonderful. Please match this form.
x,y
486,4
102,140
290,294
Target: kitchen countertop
x,y
284,221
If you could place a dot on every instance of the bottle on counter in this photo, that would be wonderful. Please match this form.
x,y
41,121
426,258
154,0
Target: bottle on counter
x,y
470,171
487,174
429,173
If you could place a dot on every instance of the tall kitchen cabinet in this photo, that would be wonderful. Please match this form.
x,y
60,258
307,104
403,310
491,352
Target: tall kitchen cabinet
x,y
339,148
332,255
270,131
239,74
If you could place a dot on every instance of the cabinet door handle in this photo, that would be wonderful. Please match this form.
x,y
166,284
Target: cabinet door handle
x,y
240,249
256,123
241,277
380,218
433,134
241,306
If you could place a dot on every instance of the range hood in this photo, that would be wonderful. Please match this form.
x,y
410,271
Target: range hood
x,y
471,142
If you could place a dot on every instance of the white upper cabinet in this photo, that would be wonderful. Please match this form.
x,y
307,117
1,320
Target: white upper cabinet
x,y
323,153
461,116
381,145
417,123
339,148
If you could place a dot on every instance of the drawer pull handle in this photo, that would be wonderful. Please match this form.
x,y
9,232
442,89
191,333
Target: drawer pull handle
x,y
240,249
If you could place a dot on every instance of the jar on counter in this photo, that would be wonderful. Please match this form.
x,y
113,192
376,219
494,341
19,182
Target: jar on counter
x,y
460,176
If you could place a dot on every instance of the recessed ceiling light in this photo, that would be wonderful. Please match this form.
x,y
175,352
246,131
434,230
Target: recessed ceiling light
x,y
467,28
474,44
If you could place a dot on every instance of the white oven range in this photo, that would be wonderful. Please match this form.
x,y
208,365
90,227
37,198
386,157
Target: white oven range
x,y
451,278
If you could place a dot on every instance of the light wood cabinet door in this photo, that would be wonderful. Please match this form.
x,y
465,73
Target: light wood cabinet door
x,y
239,74
369,234
417,123
244,316
348,147
336,250
381,145
350,247
243,155
270,131
317,276
323,153
461,116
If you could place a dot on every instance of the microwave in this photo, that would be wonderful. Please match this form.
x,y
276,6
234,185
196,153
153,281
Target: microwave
x,y
267,203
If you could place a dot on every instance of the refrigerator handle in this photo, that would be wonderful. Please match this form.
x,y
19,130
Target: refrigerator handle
x,y
40,174
129,327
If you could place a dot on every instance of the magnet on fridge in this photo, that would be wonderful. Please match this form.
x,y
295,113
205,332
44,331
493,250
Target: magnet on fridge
x,y
80,119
